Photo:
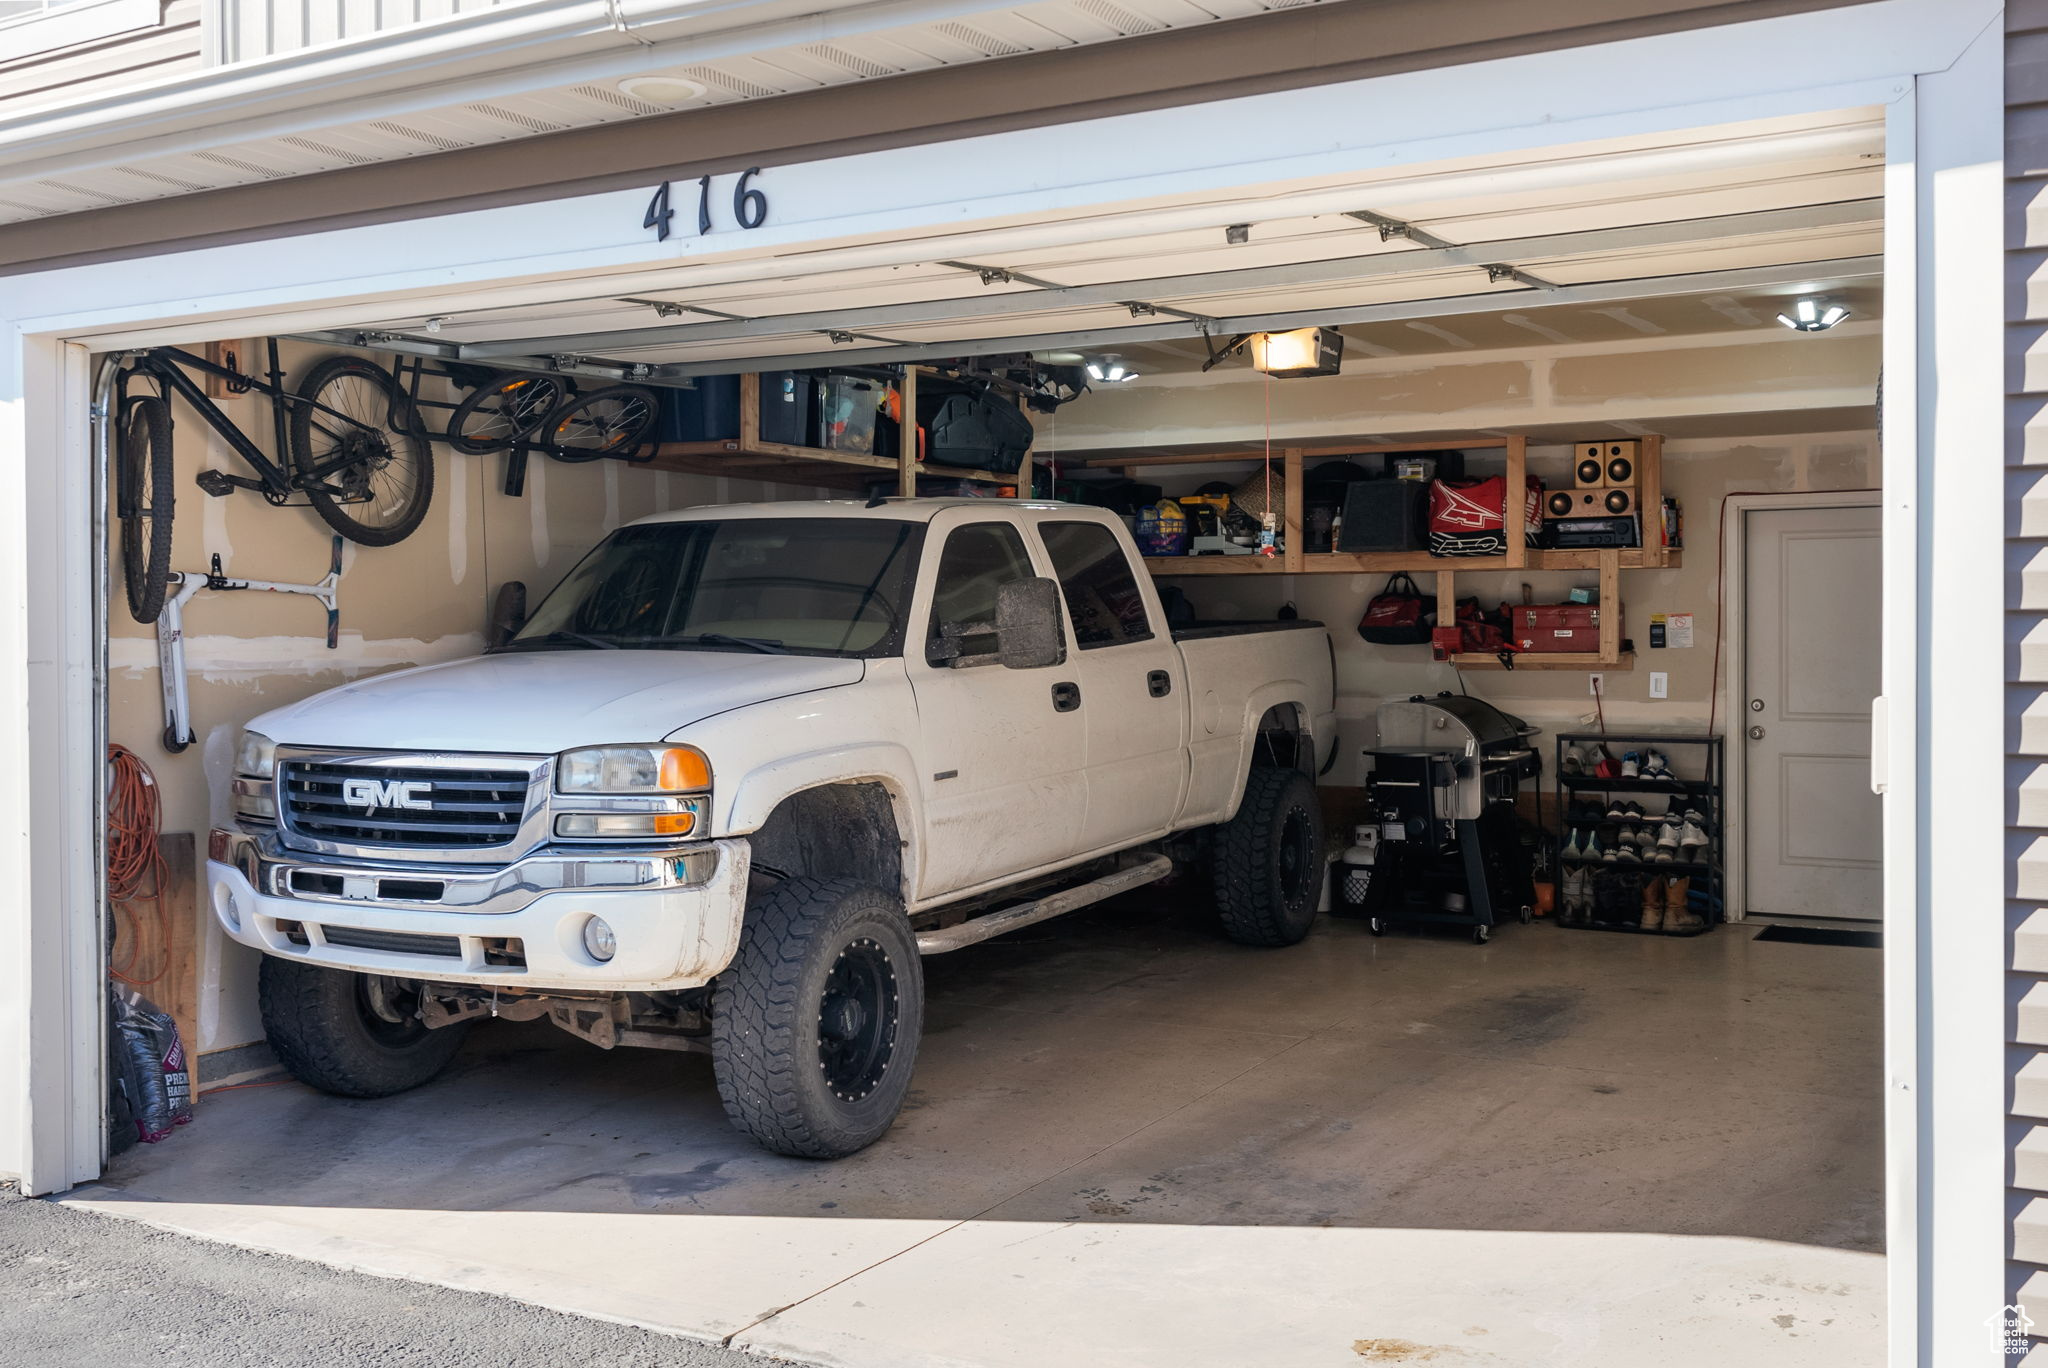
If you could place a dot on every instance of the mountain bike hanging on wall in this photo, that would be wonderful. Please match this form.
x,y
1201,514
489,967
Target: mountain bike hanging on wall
x,y
349,433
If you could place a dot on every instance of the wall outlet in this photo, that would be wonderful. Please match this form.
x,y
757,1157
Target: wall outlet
x,y
1660,684
1596,685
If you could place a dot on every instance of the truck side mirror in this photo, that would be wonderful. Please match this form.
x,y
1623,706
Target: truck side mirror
x,y
1028,625
508,613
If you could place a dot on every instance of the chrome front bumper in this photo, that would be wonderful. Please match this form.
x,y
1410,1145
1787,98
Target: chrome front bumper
x,y
675,914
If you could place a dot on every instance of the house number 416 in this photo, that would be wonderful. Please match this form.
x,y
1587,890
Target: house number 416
x,y
749,205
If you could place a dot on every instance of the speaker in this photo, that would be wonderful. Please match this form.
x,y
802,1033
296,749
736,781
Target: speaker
x,y
1572,503
1616,503
1385,515
1605,465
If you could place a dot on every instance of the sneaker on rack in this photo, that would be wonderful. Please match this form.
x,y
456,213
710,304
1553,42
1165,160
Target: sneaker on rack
x,y
1662,856
1600,764
1572,849
1667,837
1626,853
1631,765
1692,836
1655,766
1636,813
1574,761
1597,849
1617,811
1692,815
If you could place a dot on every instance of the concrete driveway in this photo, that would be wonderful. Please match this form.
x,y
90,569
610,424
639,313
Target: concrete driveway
x,y
1134,1143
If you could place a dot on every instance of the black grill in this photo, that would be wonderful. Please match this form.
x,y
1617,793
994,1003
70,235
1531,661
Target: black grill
x,y
465,807
398,942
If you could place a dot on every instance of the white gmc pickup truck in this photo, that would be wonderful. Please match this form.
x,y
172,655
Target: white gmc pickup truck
x,y
738,772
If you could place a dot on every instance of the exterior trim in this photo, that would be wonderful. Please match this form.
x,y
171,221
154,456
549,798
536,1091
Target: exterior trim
x,y
1343,41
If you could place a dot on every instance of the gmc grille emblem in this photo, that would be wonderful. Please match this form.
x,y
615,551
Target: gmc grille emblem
x,y
369,794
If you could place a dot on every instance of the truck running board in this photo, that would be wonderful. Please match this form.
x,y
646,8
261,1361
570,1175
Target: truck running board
x,y
1149,870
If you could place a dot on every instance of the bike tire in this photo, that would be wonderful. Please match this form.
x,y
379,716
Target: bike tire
x,y
503,411
612,421
146,499
379,408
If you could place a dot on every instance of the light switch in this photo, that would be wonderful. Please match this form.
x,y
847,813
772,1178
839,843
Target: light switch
x,y
1660,684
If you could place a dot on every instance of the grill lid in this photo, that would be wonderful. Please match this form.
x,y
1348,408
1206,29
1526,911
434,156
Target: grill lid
x,y
1450,719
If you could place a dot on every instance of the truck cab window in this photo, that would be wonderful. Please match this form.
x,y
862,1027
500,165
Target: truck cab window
x,y
1096,580
801,586
978,560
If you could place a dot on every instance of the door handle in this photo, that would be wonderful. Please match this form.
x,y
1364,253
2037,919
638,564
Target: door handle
x,y
1066,697
1756,733
1159,683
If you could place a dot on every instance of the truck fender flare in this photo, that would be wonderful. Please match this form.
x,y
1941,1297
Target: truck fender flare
x,y
756,796
1291,694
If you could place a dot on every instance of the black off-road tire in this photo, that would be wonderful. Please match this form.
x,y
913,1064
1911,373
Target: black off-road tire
x,y
1268,860
377,405
322,1028
776,1063
146,499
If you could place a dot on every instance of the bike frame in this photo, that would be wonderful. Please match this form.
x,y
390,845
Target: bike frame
x,y
276,481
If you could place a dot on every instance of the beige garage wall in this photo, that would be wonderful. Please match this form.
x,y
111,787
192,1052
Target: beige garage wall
x,y
1699,473
426,599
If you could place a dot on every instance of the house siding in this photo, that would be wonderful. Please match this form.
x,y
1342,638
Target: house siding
x,y
84,70
2026,602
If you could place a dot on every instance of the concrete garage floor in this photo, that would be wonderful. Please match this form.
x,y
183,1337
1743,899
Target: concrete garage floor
x,y
1134,1143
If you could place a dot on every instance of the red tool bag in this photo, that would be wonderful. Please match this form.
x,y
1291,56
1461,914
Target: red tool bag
x,y
1469,517
1399,615
1557,627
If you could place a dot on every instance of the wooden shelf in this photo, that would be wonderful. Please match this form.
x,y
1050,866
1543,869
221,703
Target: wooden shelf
x,y
749,457
1548,660
1391,562
848,470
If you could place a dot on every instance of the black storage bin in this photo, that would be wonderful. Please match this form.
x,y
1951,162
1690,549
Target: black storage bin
x,y
1385,515
788,409
708,413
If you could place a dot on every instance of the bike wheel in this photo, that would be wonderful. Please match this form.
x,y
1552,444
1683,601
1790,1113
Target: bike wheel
x,y
613,421
145,496
377,481
503,411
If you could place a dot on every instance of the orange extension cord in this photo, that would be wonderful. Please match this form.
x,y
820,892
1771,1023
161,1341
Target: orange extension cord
x,y
135,863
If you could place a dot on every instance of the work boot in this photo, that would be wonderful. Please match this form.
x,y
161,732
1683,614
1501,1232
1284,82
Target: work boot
x,y
1653,905
1678,915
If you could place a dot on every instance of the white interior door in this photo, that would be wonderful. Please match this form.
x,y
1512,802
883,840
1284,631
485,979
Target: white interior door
x,y
1813,844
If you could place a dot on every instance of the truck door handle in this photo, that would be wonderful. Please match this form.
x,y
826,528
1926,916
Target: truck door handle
x,y
1066,697
1159,683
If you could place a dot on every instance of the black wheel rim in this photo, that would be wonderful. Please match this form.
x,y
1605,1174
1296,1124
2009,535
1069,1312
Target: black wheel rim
x,y
603,425
507,411
857,1015
1296,856
380,481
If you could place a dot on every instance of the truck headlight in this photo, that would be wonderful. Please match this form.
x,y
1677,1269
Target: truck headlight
x,y
255,778
632,769
256,757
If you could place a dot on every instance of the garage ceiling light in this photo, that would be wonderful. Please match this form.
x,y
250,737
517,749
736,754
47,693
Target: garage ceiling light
x,y
662,90
1813,314
1110,370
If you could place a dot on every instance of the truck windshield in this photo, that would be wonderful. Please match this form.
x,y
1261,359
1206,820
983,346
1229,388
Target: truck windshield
x,y
796,586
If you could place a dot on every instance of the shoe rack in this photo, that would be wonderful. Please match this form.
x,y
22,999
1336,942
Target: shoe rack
x,y
1697,780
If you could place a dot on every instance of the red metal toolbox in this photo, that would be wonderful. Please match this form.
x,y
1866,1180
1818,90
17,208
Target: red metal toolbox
x,y
1557,627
